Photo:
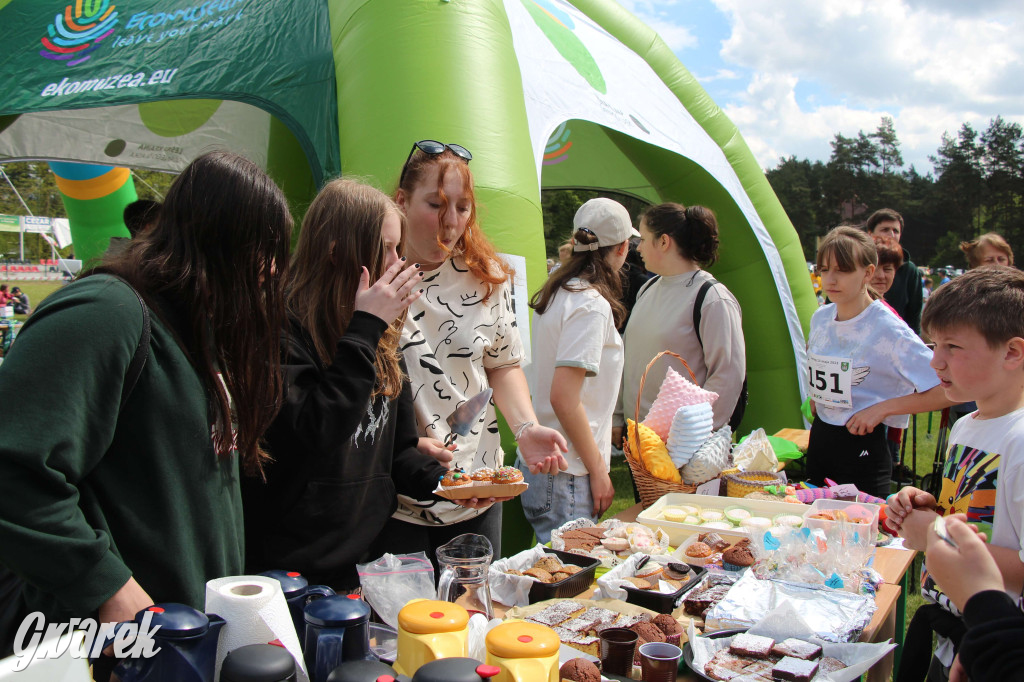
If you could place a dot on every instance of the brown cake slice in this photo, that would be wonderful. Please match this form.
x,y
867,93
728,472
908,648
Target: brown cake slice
x,y
557,613
796,648
696,604
794,670
830,665
579,640
754,646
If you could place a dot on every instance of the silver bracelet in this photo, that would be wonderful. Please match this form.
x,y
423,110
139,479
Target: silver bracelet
x,y
522,427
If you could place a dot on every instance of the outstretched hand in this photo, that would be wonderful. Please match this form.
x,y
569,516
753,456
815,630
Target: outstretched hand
x,y
542,448
392,293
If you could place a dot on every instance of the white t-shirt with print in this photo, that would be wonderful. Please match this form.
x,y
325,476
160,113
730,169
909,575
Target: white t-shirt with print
x,y
578,330
450,338
1002,437
874,355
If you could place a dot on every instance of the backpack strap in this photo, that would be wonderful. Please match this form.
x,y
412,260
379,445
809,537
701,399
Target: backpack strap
x,y
646,285
698,303
141,354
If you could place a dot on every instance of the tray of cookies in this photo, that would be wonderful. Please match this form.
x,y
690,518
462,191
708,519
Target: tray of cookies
x,y
579,622
654,582
459,484
551,574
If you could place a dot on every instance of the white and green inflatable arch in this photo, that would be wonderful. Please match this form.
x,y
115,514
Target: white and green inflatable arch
x,y
546,93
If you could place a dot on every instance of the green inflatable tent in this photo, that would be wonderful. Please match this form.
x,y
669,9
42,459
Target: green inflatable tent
x,y
546,93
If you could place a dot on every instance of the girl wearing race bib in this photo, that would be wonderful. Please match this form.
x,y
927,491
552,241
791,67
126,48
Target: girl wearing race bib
x,y
865,366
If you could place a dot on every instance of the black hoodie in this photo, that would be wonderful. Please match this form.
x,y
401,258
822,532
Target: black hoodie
x,y
339,457
906,294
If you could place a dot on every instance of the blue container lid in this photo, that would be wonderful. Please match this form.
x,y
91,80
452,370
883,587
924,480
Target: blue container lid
x,y
292,582
176,620
337,611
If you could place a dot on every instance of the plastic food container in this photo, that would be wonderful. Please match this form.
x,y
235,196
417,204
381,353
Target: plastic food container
x,y
863,513
572,585
679,532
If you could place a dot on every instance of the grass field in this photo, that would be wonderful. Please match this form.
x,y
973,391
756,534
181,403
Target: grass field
x,y
36,291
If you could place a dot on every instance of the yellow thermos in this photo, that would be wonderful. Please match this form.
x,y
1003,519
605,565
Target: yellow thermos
x,y
525,652
429,630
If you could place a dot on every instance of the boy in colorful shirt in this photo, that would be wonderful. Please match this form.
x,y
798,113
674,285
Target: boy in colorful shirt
x,y
977,323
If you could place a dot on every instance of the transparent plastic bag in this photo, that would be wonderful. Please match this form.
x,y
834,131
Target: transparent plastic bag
x,y
392,581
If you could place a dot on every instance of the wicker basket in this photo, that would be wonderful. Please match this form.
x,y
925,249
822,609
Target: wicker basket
x,y
650,487
740,483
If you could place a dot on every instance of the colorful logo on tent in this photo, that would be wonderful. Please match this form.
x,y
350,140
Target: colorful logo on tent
x,y
557,149
77,32
558,26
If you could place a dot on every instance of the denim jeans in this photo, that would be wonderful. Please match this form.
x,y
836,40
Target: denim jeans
x,y
551,501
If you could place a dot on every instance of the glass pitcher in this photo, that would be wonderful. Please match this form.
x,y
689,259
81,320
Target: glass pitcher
x,y
464,563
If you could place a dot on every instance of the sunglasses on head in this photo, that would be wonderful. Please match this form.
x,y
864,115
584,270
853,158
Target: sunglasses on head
x,y
433,148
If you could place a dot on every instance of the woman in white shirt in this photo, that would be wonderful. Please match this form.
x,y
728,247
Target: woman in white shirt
x,y
578,359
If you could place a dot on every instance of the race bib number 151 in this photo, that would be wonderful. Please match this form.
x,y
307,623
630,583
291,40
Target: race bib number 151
x,y
830,379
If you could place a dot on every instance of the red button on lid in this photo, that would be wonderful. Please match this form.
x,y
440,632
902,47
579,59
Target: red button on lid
x,y
293,574
436,614
385,678
487,670
352,596
525,639
155,609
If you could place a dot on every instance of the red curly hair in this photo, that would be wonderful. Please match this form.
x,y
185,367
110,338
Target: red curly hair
x,y
474,247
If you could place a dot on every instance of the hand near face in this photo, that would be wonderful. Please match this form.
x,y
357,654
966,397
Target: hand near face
x,y
391,294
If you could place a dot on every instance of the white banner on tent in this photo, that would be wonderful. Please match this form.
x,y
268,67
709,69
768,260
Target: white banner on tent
x,y
636,102
60,228
118,136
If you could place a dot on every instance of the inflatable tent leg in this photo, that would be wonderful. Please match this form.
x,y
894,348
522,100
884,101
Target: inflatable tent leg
x,y
94,198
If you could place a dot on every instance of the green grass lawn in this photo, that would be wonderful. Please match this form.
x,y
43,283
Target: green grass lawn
x,y
35,289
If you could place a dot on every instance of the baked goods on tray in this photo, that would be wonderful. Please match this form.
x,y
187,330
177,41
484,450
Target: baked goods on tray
x,y
548,569
459,484
579,624
753,658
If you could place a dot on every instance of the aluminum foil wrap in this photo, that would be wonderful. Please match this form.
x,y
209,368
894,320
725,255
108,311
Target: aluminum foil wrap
x,y
832,615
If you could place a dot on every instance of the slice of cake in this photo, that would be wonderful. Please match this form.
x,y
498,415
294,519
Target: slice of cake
x,y
794,670
754,646
557,613
796,648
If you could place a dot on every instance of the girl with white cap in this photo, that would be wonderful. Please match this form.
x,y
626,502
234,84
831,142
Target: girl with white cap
x,y
578,359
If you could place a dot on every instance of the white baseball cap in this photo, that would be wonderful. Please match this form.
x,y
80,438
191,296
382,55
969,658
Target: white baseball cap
x,y
607,219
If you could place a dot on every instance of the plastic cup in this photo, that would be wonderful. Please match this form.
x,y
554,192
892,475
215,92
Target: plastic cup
x,y
618,646
659,662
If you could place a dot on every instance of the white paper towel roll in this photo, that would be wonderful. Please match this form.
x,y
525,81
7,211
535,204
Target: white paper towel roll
x,y
256,613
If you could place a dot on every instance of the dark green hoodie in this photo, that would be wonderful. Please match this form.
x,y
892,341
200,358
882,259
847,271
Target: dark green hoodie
x,y
90,495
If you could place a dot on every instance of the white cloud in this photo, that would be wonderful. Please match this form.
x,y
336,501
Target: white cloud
x,y
930,66
655,14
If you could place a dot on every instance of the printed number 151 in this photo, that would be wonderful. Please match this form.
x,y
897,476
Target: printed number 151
x,y
819,380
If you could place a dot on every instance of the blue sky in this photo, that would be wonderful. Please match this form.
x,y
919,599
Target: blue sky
x,y
792,73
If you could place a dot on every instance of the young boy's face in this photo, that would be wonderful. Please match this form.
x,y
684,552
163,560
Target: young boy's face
x,y
969,368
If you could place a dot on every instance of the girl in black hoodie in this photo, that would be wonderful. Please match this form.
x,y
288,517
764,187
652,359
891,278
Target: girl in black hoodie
x,y
345,439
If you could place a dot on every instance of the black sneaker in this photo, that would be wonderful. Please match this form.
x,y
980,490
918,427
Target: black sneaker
x,y
901,472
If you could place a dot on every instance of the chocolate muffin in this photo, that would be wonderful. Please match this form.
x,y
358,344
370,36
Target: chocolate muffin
x,y
579,670
669,626
648,632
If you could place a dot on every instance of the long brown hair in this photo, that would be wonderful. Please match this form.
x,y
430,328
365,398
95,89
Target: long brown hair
x,y
478,252
340,234
212,267
852,248
590,266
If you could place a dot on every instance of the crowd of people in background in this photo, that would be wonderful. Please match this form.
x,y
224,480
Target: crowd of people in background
x,y
292,407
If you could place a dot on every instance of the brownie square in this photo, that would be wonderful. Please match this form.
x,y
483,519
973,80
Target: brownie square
x,y
796,648
754,646
794,670
830,665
